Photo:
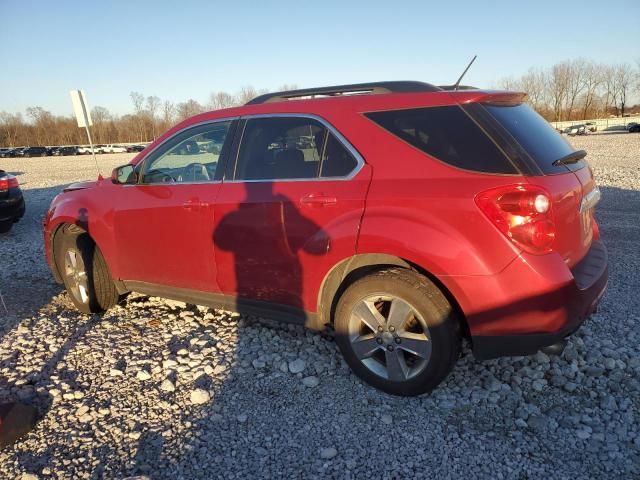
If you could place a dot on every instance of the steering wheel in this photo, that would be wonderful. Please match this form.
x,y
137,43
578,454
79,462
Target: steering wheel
x,y
194,172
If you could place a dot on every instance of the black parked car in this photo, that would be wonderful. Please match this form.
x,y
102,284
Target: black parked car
x,y
11,201
8,152
64,151
633,127
33,152
135,148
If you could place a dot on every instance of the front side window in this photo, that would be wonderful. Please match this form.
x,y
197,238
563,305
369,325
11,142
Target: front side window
x,y
281,148
190,157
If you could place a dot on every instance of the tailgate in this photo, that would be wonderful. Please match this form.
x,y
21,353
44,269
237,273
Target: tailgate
x,y
574,226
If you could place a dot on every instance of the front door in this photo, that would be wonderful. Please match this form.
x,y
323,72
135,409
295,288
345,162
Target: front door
x,y
160,222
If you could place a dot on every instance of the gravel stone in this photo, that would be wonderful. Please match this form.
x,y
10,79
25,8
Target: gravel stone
x,y
328,453
311,381
199,396
167,386
297,366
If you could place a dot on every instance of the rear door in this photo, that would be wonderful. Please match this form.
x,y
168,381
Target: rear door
x,y
288,211
568,184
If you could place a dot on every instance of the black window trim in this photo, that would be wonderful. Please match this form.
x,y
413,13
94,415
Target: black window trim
x,y
330,128
141,164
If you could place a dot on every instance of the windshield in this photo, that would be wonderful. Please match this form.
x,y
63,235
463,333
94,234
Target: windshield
x,y
536,136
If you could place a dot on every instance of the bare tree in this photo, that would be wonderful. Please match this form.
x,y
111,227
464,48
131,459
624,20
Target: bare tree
x,y
153,103
12,124
534,84
188,109
168,112
138,106
624,81
576,70
246,94
592,82
558,88
219,100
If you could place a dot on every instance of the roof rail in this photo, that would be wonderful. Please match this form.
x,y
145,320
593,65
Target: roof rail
x,y
357,88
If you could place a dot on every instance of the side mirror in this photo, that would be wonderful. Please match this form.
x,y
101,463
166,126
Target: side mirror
x,y
124,175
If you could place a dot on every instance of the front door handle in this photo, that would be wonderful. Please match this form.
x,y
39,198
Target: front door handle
x,y
319,199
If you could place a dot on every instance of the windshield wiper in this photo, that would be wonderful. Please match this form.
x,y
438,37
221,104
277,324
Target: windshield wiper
x,y
573,157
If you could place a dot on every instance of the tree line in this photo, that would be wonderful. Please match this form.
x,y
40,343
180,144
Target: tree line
x,y
571,90
151,116
579,89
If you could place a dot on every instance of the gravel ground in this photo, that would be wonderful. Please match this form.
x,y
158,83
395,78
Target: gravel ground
x,y
168,390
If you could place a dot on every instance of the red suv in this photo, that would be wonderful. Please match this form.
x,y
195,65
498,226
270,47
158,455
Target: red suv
x,y
404,215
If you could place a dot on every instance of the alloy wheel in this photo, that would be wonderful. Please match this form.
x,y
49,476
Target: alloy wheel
x,y
389,337
76,274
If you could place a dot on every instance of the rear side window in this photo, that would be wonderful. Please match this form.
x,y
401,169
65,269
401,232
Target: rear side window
x,y
448,134
535,135
286,148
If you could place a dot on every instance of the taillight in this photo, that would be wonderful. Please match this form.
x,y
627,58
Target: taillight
x,y
523,213
8,181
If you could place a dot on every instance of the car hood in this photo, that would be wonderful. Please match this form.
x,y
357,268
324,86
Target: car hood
x,y
80,185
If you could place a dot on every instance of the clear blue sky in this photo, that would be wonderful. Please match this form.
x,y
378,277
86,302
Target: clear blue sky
x,y
186,49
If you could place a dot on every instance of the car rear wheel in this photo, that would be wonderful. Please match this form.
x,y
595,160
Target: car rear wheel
x,y
84,271
397,331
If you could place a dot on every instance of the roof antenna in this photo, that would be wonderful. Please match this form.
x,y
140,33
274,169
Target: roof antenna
x,y
457,84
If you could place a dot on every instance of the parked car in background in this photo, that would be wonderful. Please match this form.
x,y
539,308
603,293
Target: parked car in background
x,y
633,127
33,152
591,126
135,148
6,152
64,151
16,152
576,130
12,204
110,148
84,150
462,234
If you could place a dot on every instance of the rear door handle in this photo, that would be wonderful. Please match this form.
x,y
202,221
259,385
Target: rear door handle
x,y
319,199
194,205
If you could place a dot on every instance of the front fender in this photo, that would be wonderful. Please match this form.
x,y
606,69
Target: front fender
x,y
89,209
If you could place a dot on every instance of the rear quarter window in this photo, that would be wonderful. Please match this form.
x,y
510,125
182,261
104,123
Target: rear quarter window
x,y
448,134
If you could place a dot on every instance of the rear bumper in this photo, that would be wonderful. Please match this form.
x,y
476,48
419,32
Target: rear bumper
x,y
12,208
557,301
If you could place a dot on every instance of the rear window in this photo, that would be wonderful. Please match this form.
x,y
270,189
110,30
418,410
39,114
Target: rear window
x,y
448,134
535,135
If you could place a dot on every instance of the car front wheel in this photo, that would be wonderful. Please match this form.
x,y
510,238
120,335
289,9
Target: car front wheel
x,y
84,271
397,331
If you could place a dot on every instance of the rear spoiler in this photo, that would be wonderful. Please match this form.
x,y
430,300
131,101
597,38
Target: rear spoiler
x,y
490,97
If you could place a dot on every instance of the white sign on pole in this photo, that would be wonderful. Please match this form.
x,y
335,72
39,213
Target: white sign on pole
x,y
81,108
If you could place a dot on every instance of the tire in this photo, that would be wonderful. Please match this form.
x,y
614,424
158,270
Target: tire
x,y
5,226
382,357
93,292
